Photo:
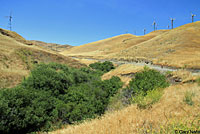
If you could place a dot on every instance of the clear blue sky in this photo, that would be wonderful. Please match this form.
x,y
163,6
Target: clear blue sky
x,y
77,22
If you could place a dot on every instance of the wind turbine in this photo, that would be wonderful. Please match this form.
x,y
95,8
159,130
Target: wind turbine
x,y
172,22
154,24
144,31
168,26
193,15
10,21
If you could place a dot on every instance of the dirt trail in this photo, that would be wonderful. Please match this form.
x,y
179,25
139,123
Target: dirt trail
x,y
148,64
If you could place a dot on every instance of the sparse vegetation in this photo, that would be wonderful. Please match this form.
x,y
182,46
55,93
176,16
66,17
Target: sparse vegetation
x,y
53,94
25,56
188,98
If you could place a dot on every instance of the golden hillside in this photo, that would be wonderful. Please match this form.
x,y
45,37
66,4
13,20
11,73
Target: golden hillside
x,y
50,46
179,47
15,36
17,58
110,45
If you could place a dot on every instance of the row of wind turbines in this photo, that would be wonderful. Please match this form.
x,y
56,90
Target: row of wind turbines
x,y
154,23
172,23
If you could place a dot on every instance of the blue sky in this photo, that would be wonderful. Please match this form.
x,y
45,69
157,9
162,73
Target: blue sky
x,y
78,22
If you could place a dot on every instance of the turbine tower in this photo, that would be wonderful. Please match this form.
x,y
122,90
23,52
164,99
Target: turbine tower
x,y
10,21
154,25
168,26
193,15
144,31
172,22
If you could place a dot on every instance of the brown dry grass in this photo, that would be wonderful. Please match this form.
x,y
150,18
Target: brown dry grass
x,y
50,46
110,45
169,111
123,71
15,36
86,61
15,64
178,47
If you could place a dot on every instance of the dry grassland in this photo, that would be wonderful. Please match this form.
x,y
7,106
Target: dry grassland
x,y
178,47
124,71
170,113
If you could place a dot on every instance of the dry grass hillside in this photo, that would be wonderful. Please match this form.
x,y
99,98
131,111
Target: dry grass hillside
x,y
179,47
17,58
51,46
125,72
169,114
111,45
15,36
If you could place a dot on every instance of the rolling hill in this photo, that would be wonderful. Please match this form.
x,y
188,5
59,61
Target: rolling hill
x,y
179,47
17,56
111,45
51,46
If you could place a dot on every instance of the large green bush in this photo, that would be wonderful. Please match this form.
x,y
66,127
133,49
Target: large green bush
x,y
50,77
142,84
23,111
105,66
54,93
146,80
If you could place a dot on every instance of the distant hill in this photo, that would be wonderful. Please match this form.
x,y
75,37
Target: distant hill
x,y
179,47
17,57
112,45
51,46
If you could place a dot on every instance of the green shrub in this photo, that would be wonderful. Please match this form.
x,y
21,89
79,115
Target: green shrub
x,y
55,93
104,67
51,78
89,99
146,80
79,104
144,88
146,101
23,111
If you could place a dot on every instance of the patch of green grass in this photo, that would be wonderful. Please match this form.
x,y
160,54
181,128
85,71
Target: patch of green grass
x,y
144,101
188,98
25,55
168,73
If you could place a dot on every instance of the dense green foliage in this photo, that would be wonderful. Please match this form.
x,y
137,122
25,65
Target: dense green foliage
x,y
23,110
146,80
54,93
105,66
143,83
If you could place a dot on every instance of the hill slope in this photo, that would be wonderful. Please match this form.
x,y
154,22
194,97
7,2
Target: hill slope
x,y
110,45
166,116
51,46
17,58
179,47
